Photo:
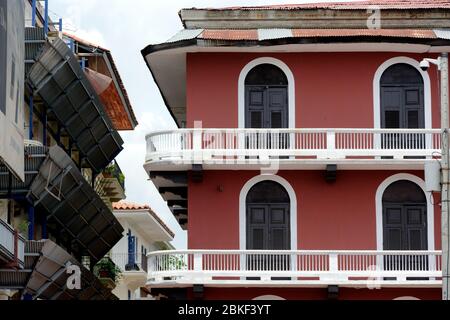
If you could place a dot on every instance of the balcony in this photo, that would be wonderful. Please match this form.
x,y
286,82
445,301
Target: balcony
x,y
133,268
12,247
313,149
263,268
130,262
111,183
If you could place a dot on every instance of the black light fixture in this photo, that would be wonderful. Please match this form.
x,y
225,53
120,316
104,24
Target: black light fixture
x,y
197,173
331,173
333,292
198,291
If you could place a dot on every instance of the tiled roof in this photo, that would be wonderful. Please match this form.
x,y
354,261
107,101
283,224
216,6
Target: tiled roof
x,y
382,4
125,205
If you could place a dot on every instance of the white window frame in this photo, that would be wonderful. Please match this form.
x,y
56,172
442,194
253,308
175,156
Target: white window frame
x,y
243,208
291,88
379,207
377,89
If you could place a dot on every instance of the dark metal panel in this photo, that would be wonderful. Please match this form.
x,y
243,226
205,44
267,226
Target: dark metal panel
x,y
46,278
73,206
34,41
59,80
10,185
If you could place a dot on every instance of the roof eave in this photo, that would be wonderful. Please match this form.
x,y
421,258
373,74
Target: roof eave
x,y
151,49
122,91
160,47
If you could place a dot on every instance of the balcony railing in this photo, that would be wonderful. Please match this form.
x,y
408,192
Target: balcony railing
x,y
197,145
114,171
12,245
295,268
130,262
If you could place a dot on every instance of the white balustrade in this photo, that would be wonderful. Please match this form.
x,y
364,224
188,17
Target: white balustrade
x,y
323,267
129,261
205,144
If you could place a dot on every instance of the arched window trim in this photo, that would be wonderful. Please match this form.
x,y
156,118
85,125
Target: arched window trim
x,y
377,89
379,207
268,297
243,208
241,88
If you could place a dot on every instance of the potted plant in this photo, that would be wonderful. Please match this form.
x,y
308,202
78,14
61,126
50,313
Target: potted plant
x,y
109,170
106,269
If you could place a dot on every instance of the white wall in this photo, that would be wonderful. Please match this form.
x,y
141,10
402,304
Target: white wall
x,y
121,250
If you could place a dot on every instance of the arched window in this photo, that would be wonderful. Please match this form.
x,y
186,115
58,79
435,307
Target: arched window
x,y
402,97
268,217
268,297
266,74
266,97
404,217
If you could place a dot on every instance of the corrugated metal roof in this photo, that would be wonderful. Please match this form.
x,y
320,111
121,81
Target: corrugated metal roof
x,y
400,33
269,34
185,34
251,34
442,33
356,5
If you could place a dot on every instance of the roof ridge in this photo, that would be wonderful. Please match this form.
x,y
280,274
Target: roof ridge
x,y
385,4
128,205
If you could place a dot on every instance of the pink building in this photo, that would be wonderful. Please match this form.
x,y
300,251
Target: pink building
x,y
298,165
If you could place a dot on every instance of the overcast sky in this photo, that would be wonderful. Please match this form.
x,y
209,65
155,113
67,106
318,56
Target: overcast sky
x,y
125,27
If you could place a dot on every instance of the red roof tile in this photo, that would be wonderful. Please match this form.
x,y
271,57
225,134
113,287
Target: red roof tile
x,y
125,205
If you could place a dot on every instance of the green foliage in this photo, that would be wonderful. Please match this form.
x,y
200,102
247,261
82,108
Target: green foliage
x,y
114,171
23,227
110,169
107,268
176,263
121,179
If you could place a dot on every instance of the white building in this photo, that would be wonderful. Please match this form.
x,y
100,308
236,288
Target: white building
x,y
144,232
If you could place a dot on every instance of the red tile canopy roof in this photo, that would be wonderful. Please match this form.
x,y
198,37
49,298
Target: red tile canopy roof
x,y
125,205
130,206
